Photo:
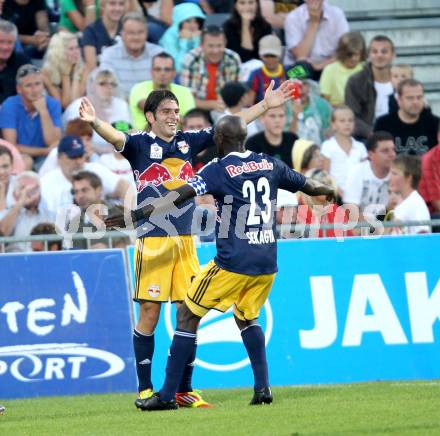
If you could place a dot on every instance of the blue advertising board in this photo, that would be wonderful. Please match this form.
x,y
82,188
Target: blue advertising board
x,y
351,311
65,324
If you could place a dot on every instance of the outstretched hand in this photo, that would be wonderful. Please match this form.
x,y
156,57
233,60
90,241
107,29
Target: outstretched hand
x,y
281,95
87,111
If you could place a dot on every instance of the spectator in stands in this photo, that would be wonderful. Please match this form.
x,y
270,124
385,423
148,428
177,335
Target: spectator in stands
x,y
6,178
87,190
102,32
429,187
274,141
75,127
159,16
207,68
30,120
367,92
56,185
234,96
18,163
404,178
77,14
270,52
306,156
163,74
317,211
198,119
103,91
27,211
413,128
399,73
367,181
64,72
245,28
10,59
342,151
312,33
310,114
45,229
184,34
130,58
216,6
350,55
32,21
275,11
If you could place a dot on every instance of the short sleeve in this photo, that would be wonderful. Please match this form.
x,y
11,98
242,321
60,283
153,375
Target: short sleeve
x,y
326,149
131,147
207,180
55,112
325,83
8,119
289,179
68,5
199,140
88,37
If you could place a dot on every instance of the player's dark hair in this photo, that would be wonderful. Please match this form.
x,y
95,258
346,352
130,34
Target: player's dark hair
x,y
410,166
308,156
92,178
374,139
164,55
382,38
5,150
412,83
155,98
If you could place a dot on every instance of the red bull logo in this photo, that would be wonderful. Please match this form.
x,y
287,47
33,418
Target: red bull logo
x,y
171,174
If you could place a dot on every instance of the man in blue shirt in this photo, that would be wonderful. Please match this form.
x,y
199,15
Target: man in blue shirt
x,y
244,185
165,256
30,120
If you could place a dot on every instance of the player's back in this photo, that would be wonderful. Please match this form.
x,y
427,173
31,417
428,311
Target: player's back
x,y
245,186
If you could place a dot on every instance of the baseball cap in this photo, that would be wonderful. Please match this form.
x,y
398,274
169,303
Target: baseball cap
x,y
72,146
232,92
270,45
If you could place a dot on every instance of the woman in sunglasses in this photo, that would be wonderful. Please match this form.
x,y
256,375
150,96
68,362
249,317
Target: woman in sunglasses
x,y
103,91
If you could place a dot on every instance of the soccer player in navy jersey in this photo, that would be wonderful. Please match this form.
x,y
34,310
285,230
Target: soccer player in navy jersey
x,y
165,255
245,185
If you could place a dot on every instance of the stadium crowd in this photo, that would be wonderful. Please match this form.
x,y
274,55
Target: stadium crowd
x,y
360,121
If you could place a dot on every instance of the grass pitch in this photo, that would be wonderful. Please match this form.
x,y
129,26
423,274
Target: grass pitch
x,y
357,409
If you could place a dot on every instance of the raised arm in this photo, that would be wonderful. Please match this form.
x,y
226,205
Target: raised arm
x,y
174,197
272,98
105,130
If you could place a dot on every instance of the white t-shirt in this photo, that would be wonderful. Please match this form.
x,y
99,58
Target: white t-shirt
x,y
55,188
120,167
364,188
340,161
413,208
383,91
118,110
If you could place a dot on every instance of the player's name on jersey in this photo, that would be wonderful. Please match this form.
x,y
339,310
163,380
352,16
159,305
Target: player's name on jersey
x,y
261,236
249,167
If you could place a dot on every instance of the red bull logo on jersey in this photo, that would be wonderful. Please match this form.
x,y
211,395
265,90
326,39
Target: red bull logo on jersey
x,y
171,174
249,167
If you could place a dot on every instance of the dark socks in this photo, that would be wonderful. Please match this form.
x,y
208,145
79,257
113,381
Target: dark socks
x,y
143,350
181,351
186,382
253,339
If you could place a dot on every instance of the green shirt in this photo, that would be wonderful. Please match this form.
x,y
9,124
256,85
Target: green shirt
x,y
69,6
141,90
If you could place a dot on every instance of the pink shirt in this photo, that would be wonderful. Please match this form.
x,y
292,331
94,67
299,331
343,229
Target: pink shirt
x,y
18,164
332,26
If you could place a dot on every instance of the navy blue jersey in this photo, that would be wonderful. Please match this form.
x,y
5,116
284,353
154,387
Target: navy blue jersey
x,y
159,166
245,186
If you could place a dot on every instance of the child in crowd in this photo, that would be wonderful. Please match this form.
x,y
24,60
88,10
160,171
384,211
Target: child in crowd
x,y
342,151
399,73
270,52
184,34
316,210
405,175
350,54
